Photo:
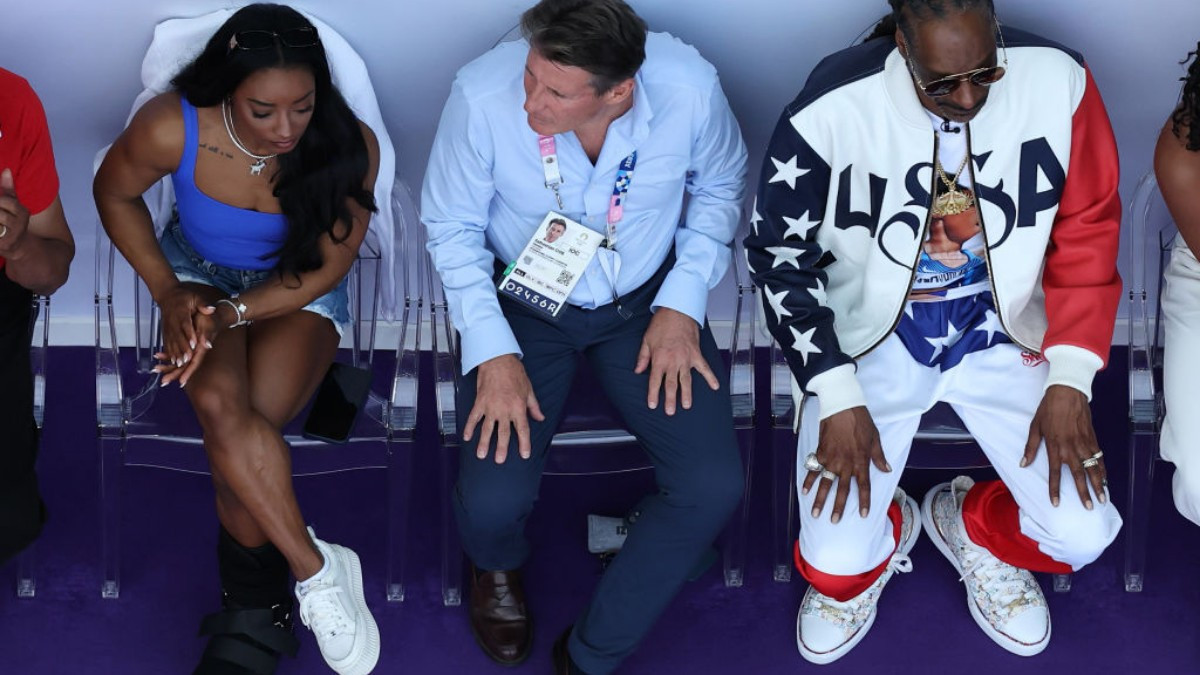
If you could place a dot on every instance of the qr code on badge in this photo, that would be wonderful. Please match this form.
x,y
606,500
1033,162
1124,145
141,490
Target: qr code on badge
x,y
565,277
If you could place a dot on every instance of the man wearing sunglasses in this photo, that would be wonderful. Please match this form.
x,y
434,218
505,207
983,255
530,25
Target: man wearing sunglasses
x,y
938,222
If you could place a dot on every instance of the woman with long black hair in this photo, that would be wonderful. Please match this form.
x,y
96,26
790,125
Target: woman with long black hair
x,y
272,175
1177,167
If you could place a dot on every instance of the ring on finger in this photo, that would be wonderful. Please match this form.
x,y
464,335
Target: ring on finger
x,y
828,475
1090,462
1098,455
811,463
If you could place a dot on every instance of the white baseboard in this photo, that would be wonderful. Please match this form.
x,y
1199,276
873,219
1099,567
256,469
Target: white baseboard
x,y
80,332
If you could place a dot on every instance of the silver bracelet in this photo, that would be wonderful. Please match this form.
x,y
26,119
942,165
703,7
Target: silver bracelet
x,y
239,308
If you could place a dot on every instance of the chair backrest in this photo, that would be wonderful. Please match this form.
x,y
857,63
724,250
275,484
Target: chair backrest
x,y
1151,233
410,272
177,41
39,341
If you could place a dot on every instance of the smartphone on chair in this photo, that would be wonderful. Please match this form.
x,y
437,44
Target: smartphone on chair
x,y
339,399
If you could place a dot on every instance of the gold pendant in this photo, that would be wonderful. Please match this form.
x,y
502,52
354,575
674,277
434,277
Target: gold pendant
x,y
950,203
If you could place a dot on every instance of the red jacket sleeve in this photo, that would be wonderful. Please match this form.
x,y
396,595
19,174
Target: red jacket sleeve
x,y
1082,286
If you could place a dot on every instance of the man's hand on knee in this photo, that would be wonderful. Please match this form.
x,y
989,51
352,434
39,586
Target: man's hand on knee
x,y
1064,420
502,398
671,349
848,445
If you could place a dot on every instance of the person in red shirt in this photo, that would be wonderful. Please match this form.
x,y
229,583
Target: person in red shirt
x,y
35,256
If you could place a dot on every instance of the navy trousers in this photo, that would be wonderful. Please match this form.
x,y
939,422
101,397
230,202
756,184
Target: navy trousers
x,y
696,460
21,511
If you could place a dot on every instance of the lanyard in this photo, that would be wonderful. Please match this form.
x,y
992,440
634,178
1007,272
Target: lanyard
x,y
616,204
611,265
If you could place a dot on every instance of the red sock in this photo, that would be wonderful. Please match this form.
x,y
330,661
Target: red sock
x,y
992,519
843,588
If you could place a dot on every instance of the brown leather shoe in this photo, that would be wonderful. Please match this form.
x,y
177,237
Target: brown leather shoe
x,y
499,619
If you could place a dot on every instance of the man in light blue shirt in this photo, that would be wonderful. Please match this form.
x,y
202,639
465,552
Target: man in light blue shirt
x,y
611,127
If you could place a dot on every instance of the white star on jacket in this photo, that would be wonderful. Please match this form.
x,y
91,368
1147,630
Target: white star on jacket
x,y
787,171
819,294
749,265
799,226
802,342
940,343
776,301
755,217
785,254
991,325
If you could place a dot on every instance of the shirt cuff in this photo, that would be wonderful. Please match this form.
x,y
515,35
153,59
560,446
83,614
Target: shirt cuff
x,y
486,341
1073,367
837,389
682,292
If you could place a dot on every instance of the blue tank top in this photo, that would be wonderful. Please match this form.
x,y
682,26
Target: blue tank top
x,y
222,234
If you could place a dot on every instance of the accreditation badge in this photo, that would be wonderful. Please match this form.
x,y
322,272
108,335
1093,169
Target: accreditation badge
x,y
551,264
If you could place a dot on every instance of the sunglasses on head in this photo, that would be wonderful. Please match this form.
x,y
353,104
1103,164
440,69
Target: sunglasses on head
x,y
267,39
980,77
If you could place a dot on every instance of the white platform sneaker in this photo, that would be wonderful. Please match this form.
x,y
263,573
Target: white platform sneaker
x,y
1006,601
827,629
334,608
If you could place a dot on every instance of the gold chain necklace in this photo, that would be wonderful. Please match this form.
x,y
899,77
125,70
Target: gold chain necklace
x,y
951,202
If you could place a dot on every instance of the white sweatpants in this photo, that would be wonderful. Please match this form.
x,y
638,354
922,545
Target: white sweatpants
x,y
996,392
1180,441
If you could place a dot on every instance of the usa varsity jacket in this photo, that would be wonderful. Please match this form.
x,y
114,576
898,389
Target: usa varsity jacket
x,y
843,207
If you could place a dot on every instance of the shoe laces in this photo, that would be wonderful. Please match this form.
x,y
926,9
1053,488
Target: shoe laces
x,y
1009,588
321,610
857,607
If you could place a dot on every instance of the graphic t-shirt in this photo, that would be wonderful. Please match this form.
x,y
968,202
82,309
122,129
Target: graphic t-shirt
x,y
951,313
25,144
953,255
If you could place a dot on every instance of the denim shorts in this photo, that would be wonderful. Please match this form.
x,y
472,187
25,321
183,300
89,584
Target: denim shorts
x,y
190,267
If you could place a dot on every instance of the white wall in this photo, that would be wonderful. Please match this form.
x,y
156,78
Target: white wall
x,y
83,58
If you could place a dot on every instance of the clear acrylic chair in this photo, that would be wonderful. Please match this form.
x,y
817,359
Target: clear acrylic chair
x,y
591,441
143,425
1151,235
39,334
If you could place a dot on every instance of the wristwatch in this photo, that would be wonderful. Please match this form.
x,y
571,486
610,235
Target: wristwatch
x,y
239,308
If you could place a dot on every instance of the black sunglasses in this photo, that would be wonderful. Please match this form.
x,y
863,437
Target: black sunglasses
x,y
266,39
980,77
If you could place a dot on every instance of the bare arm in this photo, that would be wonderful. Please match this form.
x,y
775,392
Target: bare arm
x,y
1178,172
149,148
37,248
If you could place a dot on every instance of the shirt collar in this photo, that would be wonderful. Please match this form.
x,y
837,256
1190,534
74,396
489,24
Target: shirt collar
x,y
629,131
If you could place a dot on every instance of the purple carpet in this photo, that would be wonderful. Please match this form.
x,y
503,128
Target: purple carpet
x,y
923,626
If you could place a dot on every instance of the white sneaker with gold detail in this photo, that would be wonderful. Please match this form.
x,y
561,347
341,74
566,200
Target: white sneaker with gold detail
x,y
1006,601
827,629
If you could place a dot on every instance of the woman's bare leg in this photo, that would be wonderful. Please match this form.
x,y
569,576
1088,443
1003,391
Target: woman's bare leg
x,y
251,384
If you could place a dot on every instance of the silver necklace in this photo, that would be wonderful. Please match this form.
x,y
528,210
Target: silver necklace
x,y
255,168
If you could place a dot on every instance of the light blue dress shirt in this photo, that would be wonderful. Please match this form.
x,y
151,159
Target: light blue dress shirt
x,y
484,194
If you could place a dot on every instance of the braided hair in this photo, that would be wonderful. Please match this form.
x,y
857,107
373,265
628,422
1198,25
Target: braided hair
x,y
904,10
1186,117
